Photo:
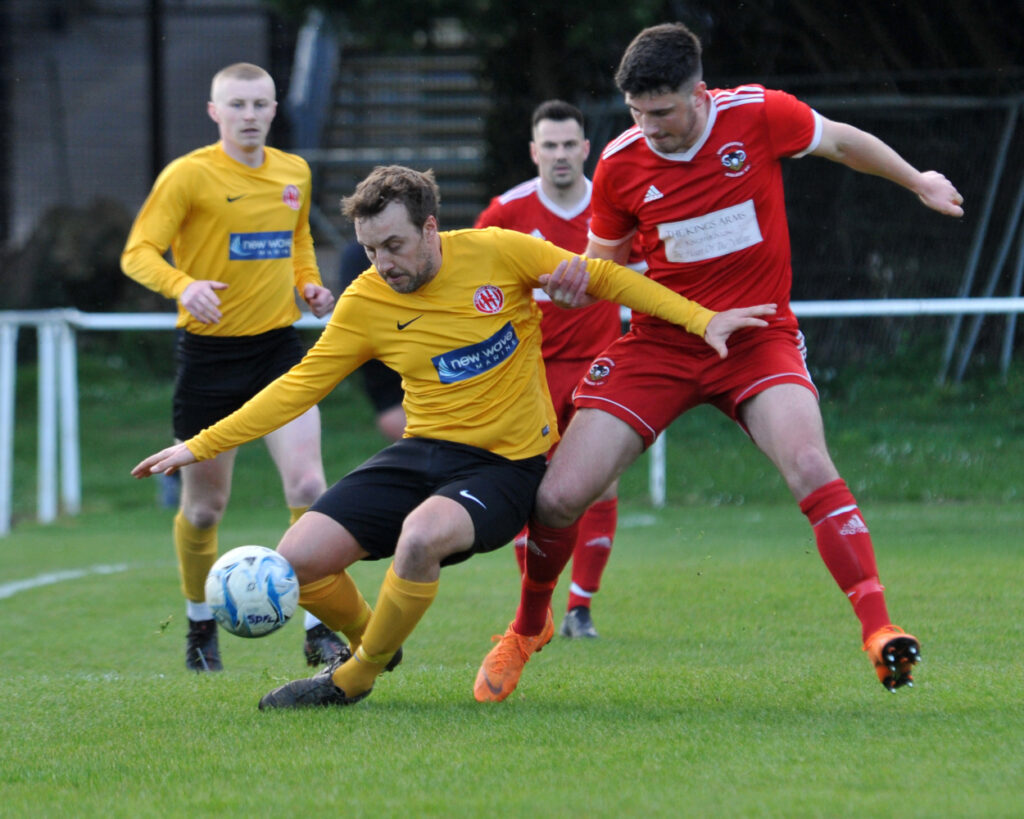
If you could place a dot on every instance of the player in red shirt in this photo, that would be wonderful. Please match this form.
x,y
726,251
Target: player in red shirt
x,y
699,178
555,205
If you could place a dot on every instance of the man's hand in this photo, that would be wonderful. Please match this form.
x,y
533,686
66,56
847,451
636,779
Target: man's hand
x,y
201,300
938,193
168,461
724,324
567,284
319,299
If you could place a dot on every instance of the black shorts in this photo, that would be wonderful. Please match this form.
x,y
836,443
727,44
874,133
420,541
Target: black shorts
x,y
373,500
382,384
216,374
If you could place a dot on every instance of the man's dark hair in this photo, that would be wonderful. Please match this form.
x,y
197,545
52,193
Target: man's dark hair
x,y
556,110
416,190
660,59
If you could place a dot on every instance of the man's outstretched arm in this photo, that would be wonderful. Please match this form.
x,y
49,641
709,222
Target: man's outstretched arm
x,y
866,153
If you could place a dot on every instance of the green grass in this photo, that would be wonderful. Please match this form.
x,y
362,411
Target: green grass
x,y
728,680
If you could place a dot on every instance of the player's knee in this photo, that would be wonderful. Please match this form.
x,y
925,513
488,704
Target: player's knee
x,y
421,546
204,515
415,556
305,562
812,461
304,489
557,507
810,467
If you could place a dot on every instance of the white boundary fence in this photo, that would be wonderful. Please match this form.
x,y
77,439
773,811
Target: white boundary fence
x,y
58,436
58,433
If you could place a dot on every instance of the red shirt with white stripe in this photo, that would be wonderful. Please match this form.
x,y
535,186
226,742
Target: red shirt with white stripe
x,y
712,219
567,334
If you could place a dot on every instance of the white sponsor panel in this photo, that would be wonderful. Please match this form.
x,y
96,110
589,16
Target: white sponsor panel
x,y
712,235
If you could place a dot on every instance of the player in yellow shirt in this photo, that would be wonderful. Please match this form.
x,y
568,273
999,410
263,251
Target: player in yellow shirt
x,y
235,216
453,314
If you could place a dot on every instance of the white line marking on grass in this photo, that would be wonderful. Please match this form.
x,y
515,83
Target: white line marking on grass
x,y
637,521
11,589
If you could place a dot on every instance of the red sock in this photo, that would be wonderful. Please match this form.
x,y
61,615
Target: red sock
x,y
548,552
593,548
845,545
519,545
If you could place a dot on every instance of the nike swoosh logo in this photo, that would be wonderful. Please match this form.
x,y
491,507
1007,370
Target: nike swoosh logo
x,y
236,198
401,326
466,495
495,689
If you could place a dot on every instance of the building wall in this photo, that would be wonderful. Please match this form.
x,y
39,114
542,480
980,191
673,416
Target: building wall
x,y
78,91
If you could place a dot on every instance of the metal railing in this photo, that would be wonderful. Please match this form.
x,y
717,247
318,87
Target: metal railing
x,y
58,450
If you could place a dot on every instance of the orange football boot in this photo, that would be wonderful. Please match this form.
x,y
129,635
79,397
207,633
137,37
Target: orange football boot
x,y
500,671
894,653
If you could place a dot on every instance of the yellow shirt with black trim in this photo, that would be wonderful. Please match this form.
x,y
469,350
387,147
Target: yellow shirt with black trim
x,y
222,220
467,345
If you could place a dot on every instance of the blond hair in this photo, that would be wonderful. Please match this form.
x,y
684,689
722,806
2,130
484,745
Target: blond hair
x,y
240,71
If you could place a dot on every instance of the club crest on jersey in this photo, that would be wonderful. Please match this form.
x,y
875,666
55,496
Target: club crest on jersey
x,y
488,299
291,197
599,372
734,158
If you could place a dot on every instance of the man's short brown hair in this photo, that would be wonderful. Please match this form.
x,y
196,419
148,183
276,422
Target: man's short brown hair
x,y
660,59
417,190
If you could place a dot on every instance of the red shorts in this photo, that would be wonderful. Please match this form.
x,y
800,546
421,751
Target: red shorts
x,y
648,382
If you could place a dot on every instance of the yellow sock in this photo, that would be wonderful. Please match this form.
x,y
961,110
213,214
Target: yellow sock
x,y
400,606
197,552
338,604
295,512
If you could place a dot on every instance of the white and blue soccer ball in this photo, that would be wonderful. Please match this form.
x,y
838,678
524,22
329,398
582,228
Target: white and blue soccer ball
x,y
252,591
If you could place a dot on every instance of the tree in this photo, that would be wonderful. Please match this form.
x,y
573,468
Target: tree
x,y
536,49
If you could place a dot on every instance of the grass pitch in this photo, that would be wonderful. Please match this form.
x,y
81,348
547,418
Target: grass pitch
x,y
728,680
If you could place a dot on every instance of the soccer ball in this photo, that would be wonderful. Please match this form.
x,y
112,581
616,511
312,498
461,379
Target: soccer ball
x,y
252,591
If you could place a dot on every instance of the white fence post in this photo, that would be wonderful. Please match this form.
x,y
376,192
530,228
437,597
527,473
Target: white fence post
x,y
8,363
46,477
656,475
70,458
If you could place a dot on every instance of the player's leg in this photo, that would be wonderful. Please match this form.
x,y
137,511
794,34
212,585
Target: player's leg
x,y
295,449
440,527
355,519
596,449
589,559
429,503
436,529
205,488
785,423
320,550
633,390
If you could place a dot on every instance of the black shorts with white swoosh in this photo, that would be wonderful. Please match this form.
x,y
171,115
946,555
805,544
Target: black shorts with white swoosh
x,y
372,501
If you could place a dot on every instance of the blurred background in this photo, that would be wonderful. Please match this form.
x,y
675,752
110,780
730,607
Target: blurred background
x,y
96,96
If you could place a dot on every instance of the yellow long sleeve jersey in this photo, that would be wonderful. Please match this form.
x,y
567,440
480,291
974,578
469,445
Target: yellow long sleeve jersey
x,y
222,220
467,345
